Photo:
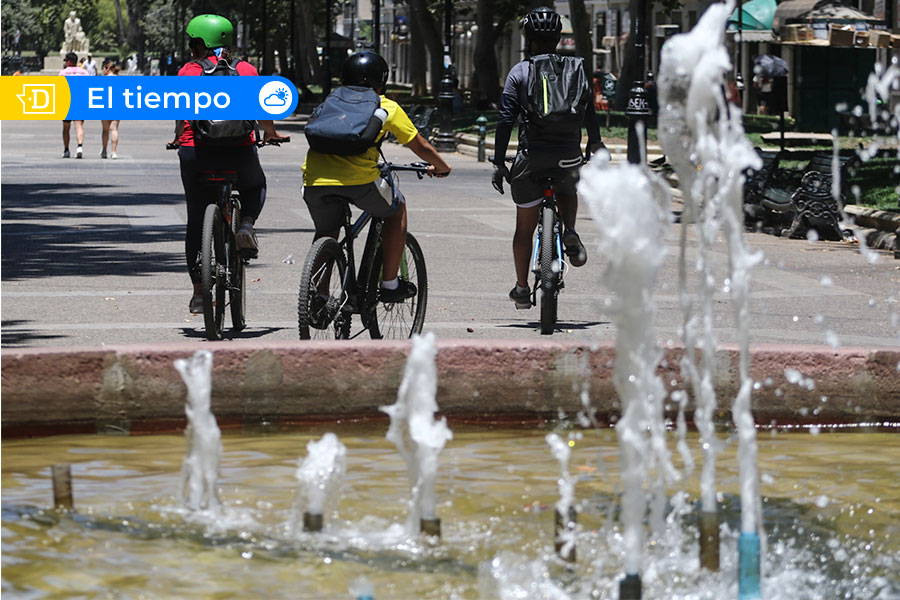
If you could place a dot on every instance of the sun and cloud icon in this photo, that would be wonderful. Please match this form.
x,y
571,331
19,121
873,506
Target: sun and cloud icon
x,y
279,98
275,97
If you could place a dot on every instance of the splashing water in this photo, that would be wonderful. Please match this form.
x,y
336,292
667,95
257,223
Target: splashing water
x,y
566,483
561,452
630,241
702,132
200,469
414,430
879,86
320,473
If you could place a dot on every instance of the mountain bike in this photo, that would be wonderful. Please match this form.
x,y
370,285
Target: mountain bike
x,y
223,268
548,264
332,290
547,258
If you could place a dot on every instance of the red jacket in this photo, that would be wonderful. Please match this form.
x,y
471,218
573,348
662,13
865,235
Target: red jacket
x,y
194,68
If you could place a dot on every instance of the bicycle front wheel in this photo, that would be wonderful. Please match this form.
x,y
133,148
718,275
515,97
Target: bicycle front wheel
x,y
212,271
321,299
237,268
550,267
399,320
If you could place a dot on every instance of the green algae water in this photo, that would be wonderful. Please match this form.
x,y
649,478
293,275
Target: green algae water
x,y
831,509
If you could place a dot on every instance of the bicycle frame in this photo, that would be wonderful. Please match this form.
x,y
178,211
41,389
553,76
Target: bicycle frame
x,y
548,203
351,289
225,197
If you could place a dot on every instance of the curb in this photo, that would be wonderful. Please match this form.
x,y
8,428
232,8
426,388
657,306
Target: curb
x,y
136,388
882,227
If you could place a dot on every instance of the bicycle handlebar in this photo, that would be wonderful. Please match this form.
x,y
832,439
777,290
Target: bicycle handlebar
x,y
274,141
419,168
259,143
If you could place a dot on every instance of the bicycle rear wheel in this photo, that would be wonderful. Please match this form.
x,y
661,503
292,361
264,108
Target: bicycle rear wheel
x,y
398,320
321,297
212,271
550,267
237,268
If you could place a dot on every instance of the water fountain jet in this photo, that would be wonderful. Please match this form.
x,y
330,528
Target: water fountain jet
x,y
702,132
629,240
200,469
417,435
319,475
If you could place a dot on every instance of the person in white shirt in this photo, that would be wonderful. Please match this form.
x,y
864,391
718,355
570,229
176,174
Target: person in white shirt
x,y
90,65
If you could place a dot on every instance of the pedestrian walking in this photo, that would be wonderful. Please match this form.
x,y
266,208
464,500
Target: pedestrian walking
x,y
72,69
90,65
110,126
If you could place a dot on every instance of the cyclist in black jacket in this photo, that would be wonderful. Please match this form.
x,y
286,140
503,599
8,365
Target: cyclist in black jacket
x,y
559,158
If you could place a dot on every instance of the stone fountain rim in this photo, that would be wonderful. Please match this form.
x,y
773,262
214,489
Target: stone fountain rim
x,y
134,387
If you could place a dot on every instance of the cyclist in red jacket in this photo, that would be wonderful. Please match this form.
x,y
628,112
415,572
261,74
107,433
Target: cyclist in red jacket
x,y
210,36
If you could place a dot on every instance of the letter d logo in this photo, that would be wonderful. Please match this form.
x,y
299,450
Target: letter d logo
x,y
38,99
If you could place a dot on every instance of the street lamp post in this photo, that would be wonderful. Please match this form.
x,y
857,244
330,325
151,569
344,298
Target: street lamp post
x,y
445,141
326,58
638,108
376,26
739,77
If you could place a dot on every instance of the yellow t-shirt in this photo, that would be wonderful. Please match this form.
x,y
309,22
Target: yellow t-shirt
x,y
358,169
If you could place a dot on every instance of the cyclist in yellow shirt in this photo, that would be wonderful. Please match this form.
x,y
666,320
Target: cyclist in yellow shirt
x,y
330,180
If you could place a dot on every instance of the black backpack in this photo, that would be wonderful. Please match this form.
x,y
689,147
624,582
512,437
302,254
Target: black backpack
x,y
221,133
558,95
347,122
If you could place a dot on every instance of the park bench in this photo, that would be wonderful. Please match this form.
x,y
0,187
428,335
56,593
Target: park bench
x,y
774,194
423,117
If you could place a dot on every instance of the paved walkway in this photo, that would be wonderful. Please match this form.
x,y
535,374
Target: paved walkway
x,y
92,253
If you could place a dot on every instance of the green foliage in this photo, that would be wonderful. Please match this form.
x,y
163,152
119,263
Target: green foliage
x,y
766,123
105,36
876,181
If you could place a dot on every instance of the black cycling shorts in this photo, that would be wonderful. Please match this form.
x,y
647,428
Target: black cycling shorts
x,y
327,203
528,176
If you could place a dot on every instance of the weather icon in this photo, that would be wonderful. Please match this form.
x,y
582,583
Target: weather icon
x,y
275,97
279,98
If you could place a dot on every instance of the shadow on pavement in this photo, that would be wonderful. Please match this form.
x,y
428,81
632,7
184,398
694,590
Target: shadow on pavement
x,y
560,325
22,337
229,334
35,245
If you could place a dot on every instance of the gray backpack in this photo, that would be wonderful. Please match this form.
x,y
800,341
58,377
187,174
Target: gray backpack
x,y
558,95
347,122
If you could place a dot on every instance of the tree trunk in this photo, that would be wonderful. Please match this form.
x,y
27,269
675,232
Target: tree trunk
x,y
121,22
431,36
581,30
417,57
308,58
487,73
135,37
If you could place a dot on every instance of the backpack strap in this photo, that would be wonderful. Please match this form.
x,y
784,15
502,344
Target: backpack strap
x,y
209,66
206,65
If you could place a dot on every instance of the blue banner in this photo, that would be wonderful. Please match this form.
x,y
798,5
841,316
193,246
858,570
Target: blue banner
x,y
212,98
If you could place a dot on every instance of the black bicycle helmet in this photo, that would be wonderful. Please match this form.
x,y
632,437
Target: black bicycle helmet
x,y
366,69
542,23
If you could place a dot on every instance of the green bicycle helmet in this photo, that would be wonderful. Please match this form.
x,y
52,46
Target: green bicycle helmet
x,y
213,30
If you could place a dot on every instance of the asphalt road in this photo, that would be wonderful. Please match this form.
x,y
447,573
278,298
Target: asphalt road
x,y
92,254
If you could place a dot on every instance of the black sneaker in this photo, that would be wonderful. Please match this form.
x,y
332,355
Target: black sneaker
x,y
246,241
574,248
521,299
404,291
196,304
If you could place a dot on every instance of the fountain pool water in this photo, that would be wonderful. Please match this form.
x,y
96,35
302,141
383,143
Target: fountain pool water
x,y
832,519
